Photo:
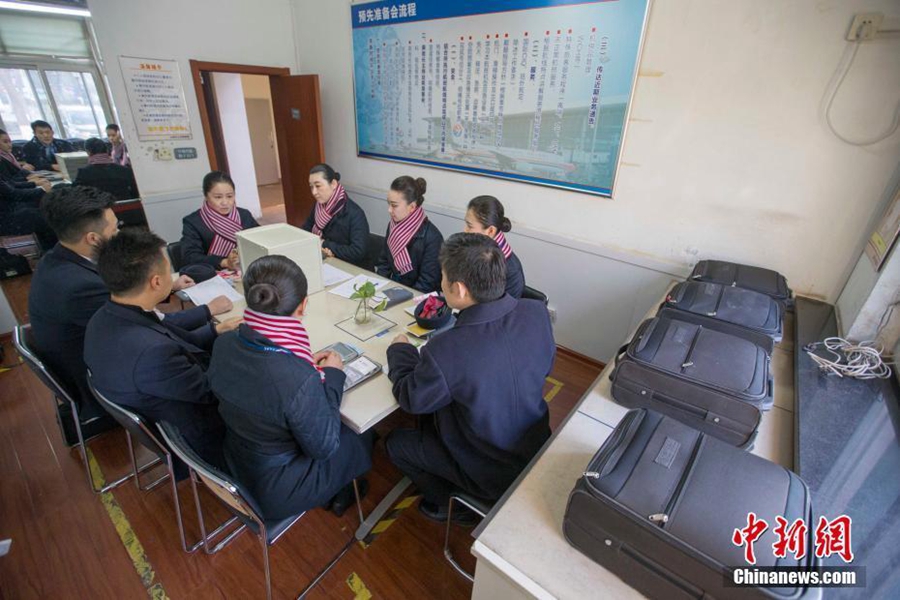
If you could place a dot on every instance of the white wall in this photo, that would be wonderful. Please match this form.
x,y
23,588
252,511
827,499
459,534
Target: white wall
x,y
236,135
250,33
726,154
256,87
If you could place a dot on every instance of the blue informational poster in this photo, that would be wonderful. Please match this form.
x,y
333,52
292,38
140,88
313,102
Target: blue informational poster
x,y
531,90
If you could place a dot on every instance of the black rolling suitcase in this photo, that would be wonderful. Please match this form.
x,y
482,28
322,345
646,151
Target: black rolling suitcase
x,y
712,375
659,503
747,308
758,279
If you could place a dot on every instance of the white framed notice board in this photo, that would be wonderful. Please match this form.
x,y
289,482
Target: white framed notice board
x,y
531,90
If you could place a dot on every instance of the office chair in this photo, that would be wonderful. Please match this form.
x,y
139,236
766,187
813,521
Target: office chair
x,y
532,294
24,344
376,243
476,505
138,429
241,502
176,255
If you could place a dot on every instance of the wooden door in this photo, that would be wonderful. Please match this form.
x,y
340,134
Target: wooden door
x,y
298,124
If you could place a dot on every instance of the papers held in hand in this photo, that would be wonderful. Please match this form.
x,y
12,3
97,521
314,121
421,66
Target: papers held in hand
x,y
204,293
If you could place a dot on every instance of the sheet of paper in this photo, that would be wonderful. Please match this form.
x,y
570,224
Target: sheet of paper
x,y
332,275
346,289
203,293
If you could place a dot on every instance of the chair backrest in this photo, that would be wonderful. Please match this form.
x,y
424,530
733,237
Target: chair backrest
x,y
176,255
223,486
532,294
24,343
376,243
133,423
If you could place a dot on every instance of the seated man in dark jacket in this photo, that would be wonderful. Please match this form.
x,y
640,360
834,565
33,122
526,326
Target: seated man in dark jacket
x,y
482,381
102,173
66,289
20,212
41,151
145,363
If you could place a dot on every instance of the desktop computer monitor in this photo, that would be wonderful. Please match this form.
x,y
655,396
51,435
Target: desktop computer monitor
x,y
302,247
70,162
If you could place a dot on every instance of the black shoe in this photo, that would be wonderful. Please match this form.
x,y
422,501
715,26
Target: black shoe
x,y
345,498
461,515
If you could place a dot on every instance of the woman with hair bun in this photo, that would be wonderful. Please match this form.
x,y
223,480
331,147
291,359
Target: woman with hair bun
x,y
485,216
412,243
281,402
337,219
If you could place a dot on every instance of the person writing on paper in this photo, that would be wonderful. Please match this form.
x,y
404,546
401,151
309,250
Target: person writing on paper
x,y
144,362
208,234
412,243
481,382
485,216
337,219
281,402
66,288
41,150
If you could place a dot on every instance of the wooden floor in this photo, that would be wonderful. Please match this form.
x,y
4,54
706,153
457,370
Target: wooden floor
x,y
69,542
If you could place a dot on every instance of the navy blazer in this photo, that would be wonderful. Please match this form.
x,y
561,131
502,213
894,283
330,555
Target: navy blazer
x,y
114,179
423,250
157,369
66,291
36,154
284,440
515,276
483,380
196,238
13,197
346,235
13,174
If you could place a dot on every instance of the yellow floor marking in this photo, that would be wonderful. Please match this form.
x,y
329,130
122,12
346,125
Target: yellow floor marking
x,y
132,545
388,520
359,589
557,385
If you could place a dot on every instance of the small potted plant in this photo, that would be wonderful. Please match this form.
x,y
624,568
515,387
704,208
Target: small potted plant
x,y
364,293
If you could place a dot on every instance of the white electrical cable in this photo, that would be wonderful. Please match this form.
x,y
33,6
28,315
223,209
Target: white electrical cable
x,y
838,80
859,361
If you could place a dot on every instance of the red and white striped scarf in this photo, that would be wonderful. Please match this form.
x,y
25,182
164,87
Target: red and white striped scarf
x,y
286,332
326,212
225,228
120,154
100,159
8,156
400,234
504,245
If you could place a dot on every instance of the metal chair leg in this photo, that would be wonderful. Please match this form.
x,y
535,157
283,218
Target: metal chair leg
x,y
358,502
136,471
177,499
447,554
265,549
82,447
207,539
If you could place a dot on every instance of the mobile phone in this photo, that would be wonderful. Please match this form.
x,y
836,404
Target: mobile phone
x,y
346,352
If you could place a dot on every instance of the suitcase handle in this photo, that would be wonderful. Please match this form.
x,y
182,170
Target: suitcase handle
x,y
619,354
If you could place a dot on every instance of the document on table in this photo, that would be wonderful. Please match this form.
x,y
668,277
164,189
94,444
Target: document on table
x,y
332,275
203,293
345,290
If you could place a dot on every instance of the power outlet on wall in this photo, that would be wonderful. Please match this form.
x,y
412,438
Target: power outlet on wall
x,y
864,26
163,153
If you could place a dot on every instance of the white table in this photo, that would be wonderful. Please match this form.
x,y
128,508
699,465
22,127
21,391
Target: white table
x,y
520,548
